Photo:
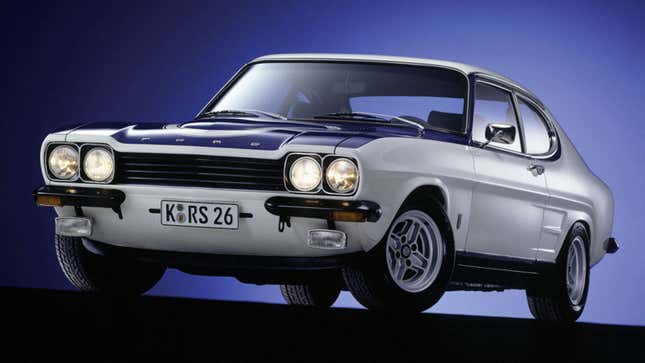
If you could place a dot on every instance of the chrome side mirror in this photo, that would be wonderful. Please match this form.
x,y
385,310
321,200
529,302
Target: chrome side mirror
x,y
500,133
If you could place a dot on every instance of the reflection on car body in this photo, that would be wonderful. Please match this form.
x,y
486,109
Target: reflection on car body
x,y
394,178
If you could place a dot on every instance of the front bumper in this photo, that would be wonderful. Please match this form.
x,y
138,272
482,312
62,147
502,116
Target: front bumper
x,y
327,209
59,196
128,216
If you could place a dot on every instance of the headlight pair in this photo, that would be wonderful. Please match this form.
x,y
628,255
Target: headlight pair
x,y
306,174
64,163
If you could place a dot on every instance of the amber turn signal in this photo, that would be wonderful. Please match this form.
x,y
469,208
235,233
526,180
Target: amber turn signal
x,y
48,201
349,216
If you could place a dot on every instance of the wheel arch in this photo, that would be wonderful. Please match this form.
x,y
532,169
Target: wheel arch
x,y
584,220
587,228
428,193
436,195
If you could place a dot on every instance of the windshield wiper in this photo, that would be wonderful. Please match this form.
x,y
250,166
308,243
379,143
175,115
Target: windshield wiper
x,y
241,113
372,117
355,115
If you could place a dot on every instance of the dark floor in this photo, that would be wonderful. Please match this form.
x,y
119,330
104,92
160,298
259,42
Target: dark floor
x,y
76,326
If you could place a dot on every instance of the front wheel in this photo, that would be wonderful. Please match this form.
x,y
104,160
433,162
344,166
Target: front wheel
x,y
563,297
116,276
409,270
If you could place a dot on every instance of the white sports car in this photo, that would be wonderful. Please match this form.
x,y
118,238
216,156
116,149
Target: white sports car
x,y
394,178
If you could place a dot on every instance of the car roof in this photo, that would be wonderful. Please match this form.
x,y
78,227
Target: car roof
x,y
461,67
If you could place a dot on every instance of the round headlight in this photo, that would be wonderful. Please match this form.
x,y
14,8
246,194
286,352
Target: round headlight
x,y
305,174
342,175
98,164
63,162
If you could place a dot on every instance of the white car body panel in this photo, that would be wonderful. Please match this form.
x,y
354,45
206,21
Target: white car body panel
x,y
495,205
507,206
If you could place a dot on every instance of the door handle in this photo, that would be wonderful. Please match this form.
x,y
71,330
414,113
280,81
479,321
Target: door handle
x,y
536,169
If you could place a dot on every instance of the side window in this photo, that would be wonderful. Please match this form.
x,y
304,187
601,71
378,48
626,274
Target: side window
x,y
494,105
536,132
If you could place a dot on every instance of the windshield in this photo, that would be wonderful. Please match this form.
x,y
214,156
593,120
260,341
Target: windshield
x,y
434,97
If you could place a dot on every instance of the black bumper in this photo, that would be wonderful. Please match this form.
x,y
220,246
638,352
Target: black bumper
x,y
611,245
58,196
327,209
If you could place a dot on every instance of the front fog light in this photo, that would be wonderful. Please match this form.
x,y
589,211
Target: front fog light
x,y
327,239
98,164
74,226
305,174
63,162
342,175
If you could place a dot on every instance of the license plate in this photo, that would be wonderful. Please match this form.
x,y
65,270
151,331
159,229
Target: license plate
x,y
205,215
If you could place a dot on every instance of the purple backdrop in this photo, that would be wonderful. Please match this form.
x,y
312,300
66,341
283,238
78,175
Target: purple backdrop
x,y
163,61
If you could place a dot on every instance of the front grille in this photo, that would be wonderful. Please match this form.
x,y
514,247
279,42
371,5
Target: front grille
x,y
199,170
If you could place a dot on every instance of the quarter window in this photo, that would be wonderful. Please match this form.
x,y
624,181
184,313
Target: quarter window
x,y
494,105
536,132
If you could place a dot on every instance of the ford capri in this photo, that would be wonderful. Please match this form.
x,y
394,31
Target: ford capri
x,y
397,179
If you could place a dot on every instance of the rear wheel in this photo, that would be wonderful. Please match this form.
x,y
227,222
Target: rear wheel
x,y
90,272
315,295
410,269
563,297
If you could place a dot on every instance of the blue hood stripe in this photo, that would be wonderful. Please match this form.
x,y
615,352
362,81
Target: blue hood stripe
x,y
262,136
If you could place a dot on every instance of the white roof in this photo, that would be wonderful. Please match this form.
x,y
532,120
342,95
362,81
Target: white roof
x,y
464,68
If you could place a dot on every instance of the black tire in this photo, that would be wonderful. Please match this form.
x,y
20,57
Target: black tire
x,y
116,276
372,285
550,300
319,295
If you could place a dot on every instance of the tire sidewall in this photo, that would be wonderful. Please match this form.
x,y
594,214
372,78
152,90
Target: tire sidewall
x,y
389,290
572,310
104,274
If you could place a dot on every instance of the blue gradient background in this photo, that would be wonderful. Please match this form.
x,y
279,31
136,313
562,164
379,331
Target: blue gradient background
x,y
163,61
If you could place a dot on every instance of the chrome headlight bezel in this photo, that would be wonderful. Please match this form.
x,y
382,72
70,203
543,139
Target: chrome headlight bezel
x,y
51,148
88,148
324,161
329,187
82,149
294,158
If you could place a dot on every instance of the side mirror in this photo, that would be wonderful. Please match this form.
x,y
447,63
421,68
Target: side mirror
x,y
500,133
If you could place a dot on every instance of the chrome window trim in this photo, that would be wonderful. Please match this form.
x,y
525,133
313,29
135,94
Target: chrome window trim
x,y
515,111
508,84
525,96
520,125
49,147
82,160
555,144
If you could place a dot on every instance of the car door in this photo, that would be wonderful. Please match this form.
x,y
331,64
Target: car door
x,y
510,191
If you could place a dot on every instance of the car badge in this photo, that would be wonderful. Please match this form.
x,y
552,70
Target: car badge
x,y
217,142
255,144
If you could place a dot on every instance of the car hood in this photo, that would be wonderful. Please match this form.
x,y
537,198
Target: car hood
x,y
251,133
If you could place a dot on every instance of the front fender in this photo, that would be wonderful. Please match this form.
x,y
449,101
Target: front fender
x,y
393,168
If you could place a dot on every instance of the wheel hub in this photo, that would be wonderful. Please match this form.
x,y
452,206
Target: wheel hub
x,y
576,271
414,251
406,251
